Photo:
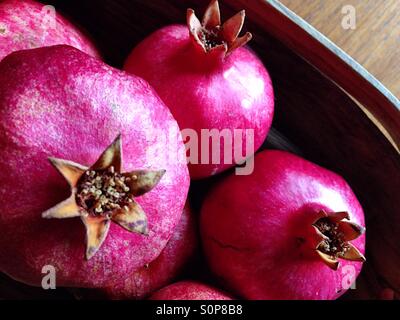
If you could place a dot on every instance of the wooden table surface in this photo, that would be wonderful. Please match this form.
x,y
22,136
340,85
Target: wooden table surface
x,y
374,43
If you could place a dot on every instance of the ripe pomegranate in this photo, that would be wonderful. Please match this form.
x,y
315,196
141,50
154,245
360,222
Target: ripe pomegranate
x,y
209,80
27,24
291,230
165,268
59,102
190,290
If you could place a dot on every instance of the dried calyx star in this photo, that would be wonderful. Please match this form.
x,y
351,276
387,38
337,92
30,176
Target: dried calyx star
x,y
334,233
102,193
210,35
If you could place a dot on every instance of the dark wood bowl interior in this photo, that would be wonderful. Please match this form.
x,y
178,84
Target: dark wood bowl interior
x,y
314,118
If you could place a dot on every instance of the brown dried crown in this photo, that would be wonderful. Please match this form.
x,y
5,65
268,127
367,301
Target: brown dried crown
x,y
211,36
334,232
102,193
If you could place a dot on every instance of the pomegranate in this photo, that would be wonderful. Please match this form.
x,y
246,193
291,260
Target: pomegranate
x,y
27,24
166,267
291,230
59,102
210,81
190,290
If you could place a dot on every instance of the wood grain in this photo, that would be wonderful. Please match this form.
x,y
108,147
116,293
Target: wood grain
x,y
375,43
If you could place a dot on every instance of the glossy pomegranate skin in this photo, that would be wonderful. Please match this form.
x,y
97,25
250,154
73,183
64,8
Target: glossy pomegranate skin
x,y
190,290
58,101
27,24
255,229
206,91
163,270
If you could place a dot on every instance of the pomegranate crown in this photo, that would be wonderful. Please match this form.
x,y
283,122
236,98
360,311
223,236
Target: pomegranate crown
x,y
211,36
101,193
333,233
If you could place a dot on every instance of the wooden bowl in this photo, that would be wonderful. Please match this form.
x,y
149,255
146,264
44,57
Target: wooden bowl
x,y
328,108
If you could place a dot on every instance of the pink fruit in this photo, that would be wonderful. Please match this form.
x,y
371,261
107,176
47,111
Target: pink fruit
x,y
165,268
262,232
209,81
59,102
27,24
189,290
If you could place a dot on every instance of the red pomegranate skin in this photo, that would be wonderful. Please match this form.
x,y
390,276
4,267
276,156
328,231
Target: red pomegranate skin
x,y
168,265
254,229
190,290
58,101
206,92
25,24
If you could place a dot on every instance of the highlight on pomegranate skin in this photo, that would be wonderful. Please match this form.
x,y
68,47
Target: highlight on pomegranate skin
x,y
210,81
190,290
28,24
291,230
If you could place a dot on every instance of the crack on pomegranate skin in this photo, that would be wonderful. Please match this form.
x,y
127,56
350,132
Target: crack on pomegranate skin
x,y
228,246
101,192
335,244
